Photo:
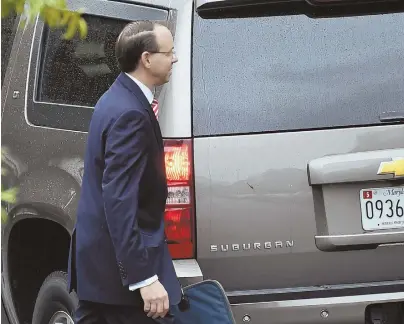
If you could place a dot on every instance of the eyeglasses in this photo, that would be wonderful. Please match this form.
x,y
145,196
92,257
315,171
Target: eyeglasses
x,y
171,53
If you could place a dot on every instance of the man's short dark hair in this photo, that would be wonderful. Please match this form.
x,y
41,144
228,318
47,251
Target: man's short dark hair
x,y
137,37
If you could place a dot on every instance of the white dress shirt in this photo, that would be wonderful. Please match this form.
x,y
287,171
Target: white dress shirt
x,y
145,89
149,95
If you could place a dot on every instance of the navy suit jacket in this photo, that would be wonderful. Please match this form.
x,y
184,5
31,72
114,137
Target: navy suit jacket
x,y
119,236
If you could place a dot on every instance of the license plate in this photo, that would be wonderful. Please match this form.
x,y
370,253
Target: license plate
x,y
382,208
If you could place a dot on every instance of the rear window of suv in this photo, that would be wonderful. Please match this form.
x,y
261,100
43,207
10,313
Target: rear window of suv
x,y
288,73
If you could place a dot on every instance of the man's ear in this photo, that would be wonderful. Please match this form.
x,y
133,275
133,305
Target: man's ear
x,y
145,58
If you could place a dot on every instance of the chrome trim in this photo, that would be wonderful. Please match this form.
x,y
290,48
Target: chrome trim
x,y
188,271
187,268
345,309
350,167
335,242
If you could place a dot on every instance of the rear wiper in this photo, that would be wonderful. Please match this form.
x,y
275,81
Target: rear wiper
x,y
392,116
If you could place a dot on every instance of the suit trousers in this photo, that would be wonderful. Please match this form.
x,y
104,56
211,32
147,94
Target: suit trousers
x,y
96,313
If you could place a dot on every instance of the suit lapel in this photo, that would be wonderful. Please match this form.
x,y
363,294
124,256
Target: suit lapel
x,y
133,87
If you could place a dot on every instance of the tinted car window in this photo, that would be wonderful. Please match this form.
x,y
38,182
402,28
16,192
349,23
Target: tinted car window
x,y
77,72
294,72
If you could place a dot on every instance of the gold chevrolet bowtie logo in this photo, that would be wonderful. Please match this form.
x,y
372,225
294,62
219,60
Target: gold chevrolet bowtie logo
x,y
395,167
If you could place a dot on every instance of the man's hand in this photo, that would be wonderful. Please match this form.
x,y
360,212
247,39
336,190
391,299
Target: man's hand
x,y
155,299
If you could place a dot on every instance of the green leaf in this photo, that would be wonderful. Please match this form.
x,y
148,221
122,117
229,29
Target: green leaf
x,y
6,8
51,16
4,215
71,28
23,21
54,13
65,17
83,28
36,6
9,195
19,6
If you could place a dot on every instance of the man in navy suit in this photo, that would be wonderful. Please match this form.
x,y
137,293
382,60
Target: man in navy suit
x,y
119,262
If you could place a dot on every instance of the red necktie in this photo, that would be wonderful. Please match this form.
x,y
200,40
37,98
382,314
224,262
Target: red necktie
x,y
155,106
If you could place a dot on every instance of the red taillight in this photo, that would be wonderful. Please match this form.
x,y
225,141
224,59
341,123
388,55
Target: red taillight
x,y
178,162
179,214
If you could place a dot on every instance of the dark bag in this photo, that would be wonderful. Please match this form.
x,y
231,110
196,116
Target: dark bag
x,y
203,303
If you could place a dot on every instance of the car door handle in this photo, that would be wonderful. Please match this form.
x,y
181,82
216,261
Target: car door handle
x,y
351,167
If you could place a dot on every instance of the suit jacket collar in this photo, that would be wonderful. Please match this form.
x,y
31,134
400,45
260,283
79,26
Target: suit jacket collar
x,y
145,89
134,88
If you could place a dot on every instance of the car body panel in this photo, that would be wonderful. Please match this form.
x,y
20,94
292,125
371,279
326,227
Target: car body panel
x,y
255,189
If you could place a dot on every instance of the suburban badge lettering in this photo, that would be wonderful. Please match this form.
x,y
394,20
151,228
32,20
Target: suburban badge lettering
x,y
251,246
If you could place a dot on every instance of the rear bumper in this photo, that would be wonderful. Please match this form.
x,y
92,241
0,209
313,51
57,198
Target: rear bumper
x,y
340,310
188,271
